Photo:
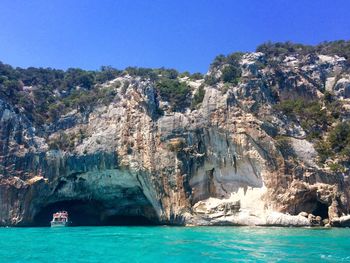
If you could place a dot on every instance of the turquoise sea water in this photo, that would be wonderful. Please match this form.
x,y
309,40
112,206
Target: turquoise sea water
x,y
174,244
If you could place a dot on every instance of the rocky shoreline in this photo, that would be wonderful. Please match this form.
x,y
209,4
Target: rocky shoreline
x,y
227,213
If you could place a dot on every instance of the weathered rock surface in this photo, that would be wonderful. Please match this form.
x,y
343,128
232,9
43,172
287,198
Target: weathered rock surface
x,y
214,165
343,221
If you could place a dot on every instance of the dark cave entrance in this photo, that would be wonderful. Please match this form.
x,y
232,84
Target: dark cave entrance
x,y
321,210
88,213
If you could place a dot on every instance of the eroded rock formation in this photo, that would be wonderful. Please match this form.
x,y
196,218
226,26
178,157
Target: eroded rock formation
x,y
216,164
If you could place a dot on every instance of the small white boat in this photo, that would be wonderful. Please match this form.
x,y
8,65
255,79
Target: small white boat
x,y
60,219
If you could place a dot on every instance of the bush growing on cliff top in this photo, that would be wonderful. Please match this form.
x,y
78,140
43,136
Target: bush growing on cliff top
x,y
142,72
280,49
153,74
283,48
231,59
196,76
231,74
36,90
339,47
175,92
107,73
229,66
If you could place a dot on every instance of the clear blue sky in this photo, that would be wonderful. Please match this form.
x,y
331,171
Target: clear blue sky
x,y
181,34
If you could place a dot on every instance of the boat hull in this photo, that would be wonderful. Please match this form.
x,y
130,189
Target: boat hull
x,y
59,224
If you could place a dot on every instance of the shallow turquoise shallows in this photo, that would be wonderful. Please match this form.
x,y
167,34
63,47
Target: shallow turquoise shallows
x,y
173,244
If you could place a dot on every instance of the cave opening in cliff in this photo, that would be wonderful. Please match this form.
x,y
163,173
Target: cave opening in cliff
x,y
88,213
321,210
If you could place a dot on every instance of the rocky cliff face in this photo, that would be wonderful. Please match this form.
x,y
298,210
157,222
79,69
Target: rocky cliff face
x,y
231,160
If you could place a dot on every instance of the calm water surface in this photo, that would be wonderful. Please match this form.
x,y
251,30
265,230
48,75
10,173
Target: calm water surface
x,y
174,244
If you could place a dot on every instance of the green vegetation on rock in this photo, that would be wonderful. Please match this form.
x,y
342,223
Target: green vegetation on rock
x,y
45,93
175,92
229,66
310,114
198,96
280,49
285,147
336,145
231,74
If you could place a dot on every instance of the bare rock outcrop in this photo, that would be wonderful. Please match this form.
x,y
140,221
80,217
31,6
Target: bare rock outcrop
x,y
216,164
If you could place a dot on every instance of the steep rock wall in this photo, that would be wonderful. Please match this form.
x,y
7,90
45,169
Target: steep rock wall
x,y
216,164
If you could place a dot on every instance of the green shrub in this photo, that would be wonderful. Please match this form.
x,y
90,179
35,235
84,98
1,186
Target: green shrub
x,y
336,144
229,66
234,58
231,59
290,107
312,117
279,49
140,72
335,109
210,80
198,96
175,92
231,74
328,97
339,138
336,167
107,73
185,74
218,61
54,110
285,147
324,150
167,73
117,84
196,76
105,95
